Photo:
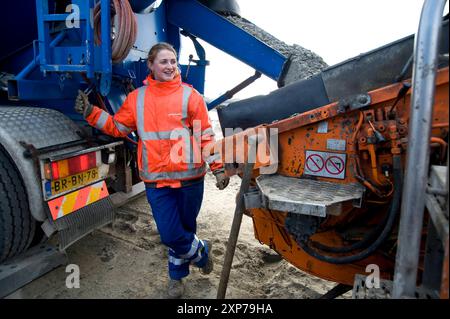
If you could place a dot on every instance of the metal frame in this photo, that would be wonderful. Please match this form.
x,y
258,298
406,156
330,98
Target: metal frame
x,y
190,16
417,162
201,22
55,61
53,58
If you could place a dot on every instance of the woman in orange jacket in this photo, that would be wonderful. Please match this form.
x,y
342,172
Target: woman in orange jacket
x,y
172,122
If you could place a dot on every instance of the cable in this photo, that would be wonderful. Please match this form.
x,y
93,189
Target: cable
x,y
442,144
405,69
102,104
125,30
363,243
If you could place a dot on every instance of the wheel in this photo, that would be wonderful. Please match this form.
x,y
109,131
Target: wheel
x,y
17,227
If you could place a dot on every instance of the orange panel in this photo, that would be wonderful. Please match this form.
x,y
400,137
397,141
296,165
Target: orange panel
x,y
71,202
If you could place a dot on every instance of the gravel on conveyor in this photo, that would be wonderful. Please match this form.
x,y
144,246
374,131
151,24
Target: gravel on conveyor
x,y
304,63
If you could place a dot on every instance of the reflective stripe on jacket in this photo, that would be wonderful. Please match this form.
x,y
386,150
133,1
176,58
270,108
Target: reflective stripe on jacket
x,y
172,122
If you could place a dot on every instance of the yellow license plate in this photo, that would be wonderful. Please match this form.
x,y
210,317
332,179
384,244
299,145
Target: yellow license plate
x,y
71,182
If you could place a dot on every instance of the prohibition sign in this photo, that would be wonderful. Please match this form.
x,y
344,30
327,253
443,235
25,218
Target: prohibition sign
x,y
334,165
314,163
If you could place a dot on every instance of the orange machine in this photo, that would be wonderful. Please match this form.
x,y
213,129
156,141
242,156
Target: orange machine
x,y
368,160
348,155
359,163
339,199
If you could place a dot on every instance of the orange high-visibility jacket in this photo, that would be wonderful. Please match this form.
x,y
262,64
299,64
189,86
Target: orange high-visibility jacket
x,y
172,122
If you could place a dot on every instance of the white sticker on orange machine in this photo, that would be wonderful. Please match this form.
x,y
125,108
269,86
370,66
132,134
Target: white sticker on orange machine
x,y
325,164
71,202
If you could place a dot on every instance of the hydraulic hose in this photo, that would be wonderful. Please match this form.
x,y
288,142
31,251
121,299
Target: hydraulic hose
x,y
103,105
125,30
442,144
363,243
393,211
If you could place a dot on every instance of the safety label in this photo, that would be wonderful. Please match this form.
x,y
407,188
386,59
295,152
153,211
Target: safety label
x,y
325,164
322,127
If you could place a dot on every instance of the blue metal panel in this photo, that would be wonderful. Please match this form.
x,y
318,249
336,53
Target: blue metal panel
x,y
88,26
81,55
137,71
27,70
39,89
43,33
196,76
173,31
51,57
105,81
55,17
65,68
173,36
205,24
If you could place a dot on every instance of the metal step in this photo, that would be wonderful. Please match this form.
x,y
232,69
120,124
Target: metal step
x,y
306,196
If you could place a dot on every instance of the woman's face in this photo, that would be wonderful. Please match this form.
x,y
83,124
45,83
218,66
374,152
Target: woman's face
x,y
164,66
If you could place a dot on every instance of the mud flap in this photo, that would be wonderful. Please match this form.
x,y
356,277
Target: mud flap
x,y
83,221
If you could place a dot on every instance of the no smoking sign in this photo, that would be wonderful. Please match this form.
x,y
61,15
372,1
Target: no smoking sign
x,y
325,164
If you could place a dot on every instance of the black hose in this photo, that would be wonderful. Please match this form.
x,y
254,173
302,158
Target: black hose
x,y
363,243
405,69
393,210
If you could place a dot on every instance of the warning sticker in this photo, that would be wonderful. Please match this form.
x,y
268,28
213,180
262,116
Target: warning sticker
x,y
314,163
325,164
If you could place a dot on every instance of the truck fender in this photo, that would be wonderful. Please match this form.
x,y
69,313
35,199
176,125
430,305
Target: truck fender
x,y
40,127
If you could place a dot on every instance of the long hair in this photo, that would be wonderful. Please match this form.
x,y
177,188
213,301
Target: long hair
x,y
157,48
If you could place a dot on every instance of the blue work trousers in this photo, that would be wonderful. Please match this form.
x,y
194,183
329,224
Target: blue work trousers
x,y
175,211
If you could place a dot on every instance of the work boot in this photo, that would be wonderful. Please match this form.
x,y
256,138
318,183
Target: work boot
x,y
209,266
175,289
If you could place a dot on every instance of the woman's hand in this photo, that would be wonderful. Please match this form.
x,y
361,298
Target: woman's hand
x,y
82,104
221,179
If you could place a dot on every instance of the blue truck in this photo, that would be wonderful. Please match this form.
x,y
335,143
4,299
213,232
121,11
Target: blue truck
x,y
59,176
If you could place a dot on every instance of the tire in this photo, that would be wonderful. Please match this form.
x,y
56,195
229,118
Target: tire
x,y
17,226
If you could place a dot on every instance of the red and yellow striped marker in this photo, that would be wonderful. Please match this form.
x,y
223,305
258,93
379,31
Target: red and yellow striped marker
x,y
69,203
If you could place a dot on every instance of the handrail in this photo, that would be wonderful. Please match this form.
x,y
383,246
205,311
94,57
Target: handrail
x,y
413,200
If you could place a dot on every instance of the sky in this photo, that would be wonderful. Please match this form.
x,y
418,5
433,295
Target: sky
x,y
335,30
